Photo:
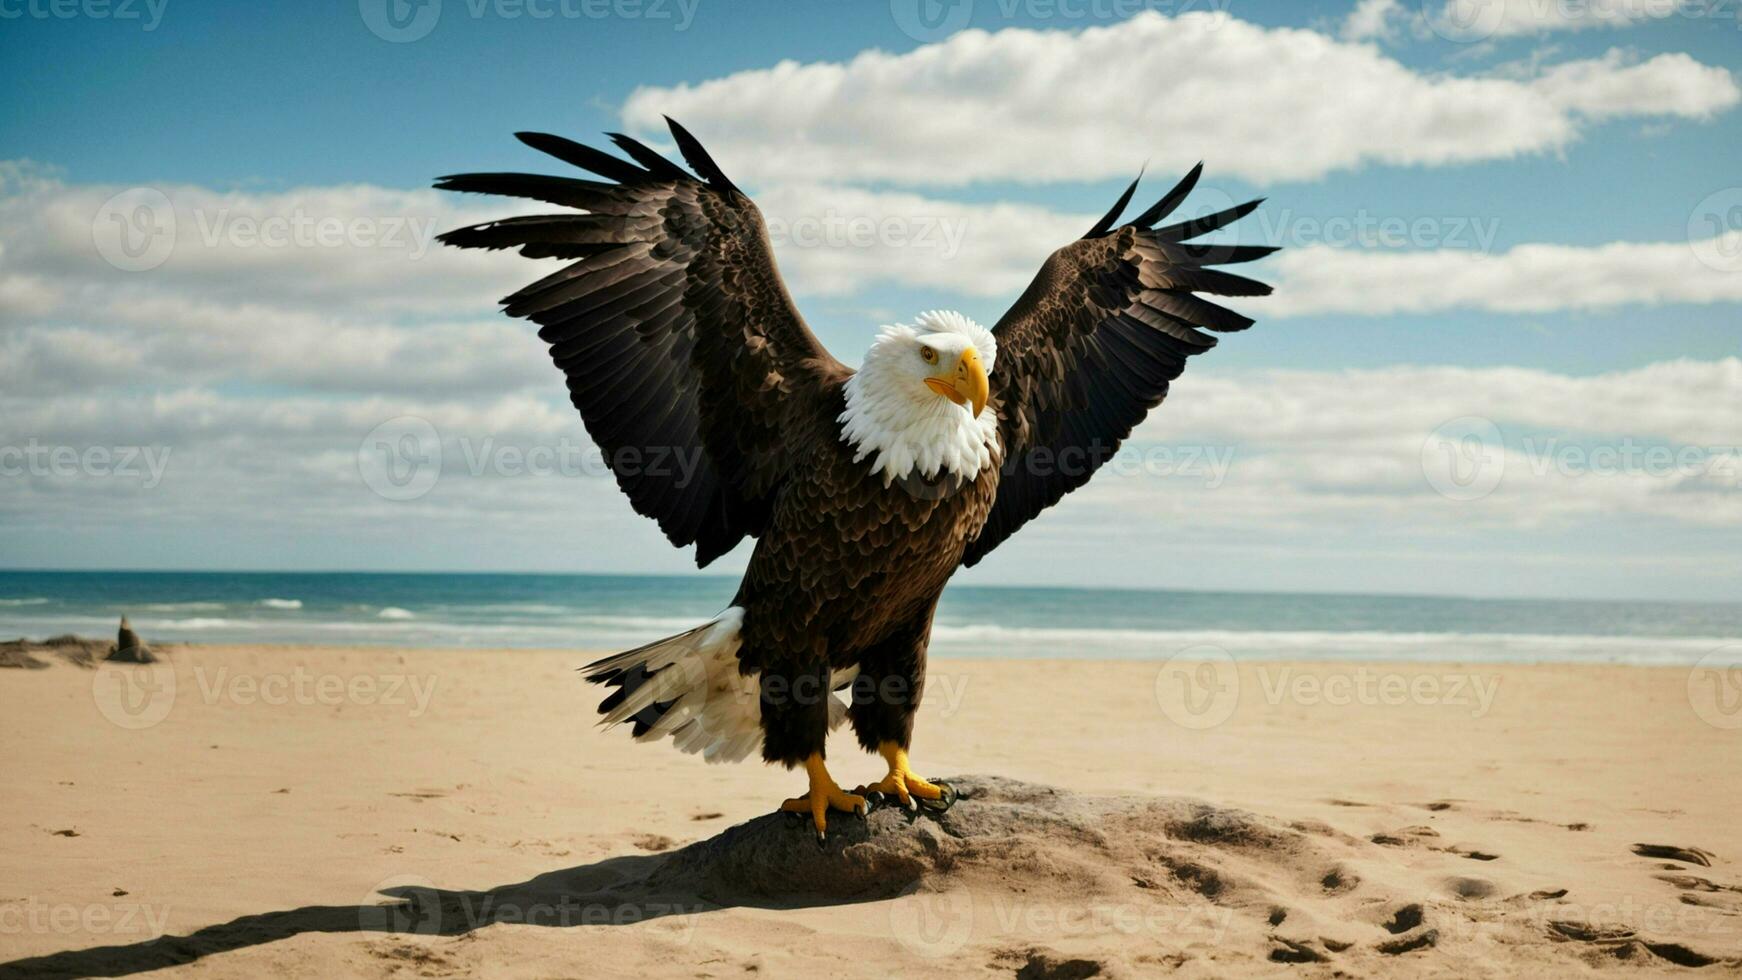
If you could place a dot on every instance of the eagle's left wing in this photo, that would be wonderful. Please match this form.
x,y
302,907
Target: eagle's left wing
x,y
1091,345
685,356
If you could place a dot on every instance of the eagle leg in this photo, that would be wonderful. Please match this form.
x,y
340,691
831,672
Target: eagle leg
x,y
824,794
901,783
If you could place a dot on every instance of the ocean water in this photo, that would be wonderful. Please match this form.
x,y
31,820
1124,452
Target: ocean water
x,y
602,613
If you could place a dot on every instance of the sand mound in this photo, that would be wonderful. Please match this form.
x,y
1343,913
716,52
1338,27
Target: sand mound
x,y
1002,832
77,650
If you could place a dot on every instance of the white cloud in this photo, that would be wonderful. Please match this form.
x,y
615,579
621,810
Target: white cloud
x,y
1472,19
1372,406
336,289
833,240
1372,19
352,247
1614,86
1357,448
1264,104
1536,278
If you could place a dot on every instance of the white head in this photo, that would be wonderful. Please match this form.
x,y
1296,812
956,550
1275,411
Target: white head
x,y
918,403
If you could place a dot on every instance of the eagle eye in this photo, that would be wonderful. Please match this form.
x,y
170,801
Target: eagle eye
x,y
928,355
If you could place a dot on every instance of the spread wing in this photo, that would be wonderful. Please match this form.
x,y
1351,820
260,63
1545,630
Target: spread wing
x,y
684,353
1092,344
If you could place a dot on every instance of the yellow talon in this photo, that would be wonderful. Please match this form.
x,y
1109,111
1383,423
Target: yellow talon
x,y
824,794
901,782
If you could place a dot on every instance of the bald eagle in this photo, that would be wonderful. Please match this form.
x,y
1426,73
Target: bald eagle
x,y
865,490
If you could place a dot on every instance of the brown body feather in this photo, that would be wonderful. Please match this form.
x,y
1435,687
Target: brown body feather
x,y
848,575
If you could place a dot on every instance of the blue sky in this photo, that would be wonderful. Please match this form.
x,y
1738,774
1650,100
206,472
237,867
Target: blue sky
x,y
1593,326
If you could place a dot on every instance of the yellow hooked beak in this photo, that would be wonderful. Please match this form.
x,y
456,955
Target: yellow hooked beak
x,y
964,384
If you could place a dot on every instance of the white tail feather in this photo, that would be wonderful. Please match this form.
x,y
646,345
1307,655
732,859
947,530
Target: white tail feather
x,y
711,707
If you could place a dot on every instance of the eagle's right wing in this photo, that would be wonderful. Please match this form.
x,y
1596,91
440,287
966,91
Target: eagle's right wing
x,y
684,353
1092,344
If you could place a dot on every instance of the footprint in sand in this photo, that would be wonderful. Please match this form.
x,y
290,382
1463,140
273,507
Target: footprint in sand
x,y
1408,944
1337,881
1465,851
1691,855
1621,943
1405,836
1404,919
1470,889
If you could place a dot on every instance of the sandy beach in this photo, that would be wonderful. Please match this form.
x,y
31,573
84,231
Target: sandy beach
x,y
242,811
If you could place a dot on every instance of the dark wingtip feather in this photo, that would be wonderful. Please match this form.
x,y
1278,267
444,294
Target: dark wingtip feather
x,y
1227,254
1164,207
643,154
698,158
1105,225
1200,226
584,157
